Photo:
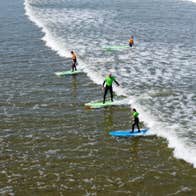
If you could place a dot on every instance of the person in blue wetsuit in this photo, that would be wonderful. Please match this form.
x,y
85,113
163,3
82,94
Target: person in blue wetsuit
x,y
135,115
107,85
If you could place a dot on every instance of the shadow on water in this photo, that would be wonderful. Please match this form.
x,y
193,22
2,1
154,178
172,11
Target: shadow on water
x,y
74,85
108,118
134,148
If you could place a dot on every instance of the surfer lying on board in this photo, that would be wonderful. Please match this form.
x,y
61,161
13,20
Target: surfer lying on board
x,y
136,120
131,41
107,85
74,61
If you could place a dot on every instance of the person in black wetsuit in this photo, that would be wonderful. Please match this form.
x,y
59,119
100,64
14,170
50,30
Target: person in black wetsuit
x,y
74,61
107,85
136,120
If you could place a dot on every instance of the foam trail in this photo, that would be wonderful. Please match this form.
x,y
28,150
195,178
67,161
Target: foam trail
x,y
49,39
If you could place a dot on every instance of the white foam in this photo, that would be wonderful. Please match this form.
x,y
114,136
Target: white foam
x,y
194,1
50,39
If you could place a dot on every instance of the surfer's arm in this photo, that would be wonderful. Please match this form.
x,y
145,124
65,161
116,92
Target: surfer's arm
x,y
103,83
116,82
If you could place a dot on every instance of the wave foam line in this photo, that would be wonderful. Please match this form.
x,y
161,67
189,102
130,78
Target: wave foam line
x,y
48,38
194,1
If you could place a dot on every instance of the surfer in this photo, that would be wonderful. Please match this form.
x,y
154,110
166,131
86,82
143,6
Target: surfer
x,y
107,85
131,41
74,61
135,120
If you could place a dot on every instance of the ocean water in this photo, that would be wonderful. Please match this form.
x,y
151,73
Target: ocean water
x,y
50,144
157,75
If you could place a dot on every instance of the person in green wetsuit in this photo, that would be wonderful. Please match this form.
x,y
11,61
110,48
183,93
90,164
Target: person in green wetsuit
x,y
107,85
136,120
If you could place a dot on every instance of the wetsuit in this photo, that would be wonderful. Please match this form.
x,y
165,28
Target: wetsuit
x,y
74,59
108,81
131,42
136,121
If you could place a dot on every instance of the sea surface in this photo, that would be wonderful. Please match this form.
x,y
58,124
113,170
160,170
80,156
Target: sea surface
x,y
50,144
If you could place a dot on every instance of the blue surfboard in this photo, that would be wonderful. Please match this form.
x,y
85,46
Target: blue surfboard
x,y
128,133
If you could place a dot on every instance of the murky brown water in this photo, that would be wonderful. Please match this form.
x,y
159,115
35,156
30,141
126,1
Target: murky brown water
x,y
51,145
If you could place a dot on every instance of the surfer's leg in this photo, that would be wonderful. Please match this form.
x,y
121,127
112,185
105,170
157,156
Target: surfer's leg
x,y
138,128
105,93
133,125
137,123
72,66
111,93
75,62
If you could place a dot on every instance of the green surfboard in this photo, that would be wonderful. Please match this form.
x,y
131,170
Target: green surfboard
x,y
116,47
69,72
99,104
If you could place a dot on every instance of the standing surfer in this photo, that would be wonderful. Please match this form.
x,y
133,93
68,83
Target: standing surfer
x,y
131,41
107,85
74,61
136,120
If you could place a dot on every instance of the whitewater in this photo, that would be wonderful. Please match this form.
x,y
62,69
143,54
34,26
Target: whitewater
x,y
157,75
